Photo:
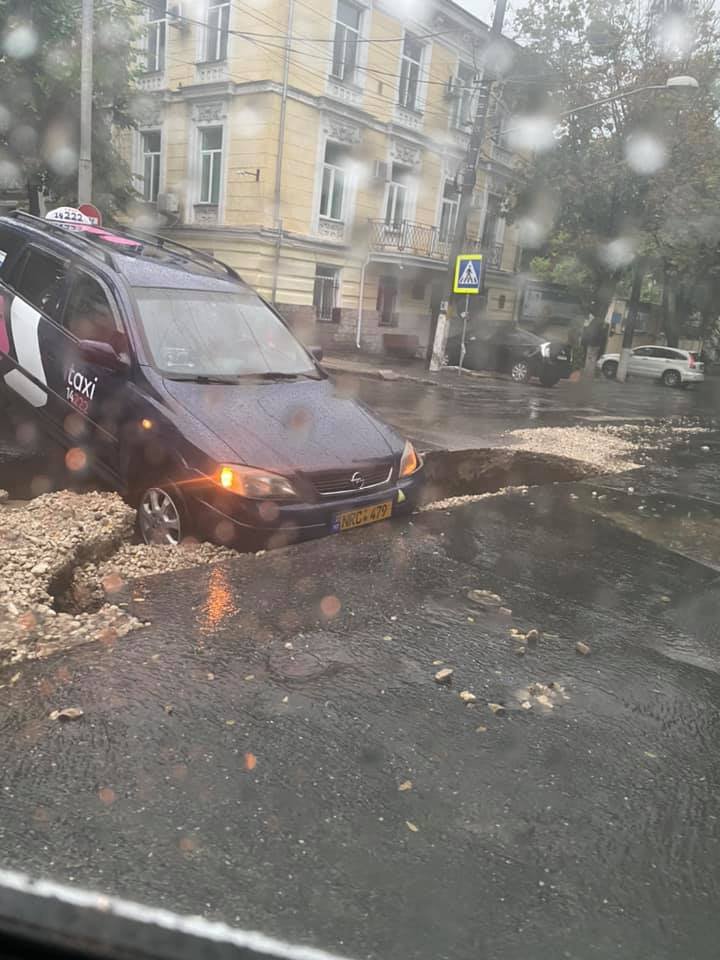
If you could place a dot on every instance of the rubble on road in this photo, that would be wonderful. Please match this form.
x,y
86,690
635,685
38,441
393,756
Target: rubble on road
x,y
444,675
582,648
547,695
41,544
485,599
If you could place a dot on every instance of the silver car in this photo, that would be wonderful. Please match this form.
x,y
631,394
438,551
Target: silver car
x,y
671,365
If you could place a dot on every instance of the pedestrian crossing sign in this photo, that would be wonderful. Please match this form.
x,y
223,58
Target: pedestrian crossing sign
x,y
468,273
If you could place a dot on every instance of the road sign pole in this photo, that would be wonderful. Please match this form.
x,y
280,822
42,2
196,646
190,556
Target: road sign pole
x,y
464,333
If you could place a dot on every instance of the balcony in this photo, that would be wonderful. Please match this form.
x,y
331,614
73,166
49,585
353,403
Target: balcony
x,y
423,240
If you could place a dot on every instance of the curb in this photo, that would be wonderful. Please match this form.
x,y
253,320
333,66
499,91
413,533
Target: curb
x,y
388,374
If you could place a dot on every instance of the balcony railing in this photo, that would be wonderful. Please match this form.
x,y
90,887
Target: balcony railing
x,y
425,240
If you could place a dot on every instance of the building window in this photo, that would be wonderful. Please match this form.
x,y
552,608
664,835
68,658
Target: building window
x,y
397,194
151,165
410,72
325,292
386,301
462,114
345,44
332,197
210,164
216,34
492,220
449,211
155,56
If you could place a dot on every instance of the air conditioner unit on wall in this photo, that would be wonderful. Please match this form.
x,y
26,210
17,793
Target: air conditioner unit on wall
x,y
381,170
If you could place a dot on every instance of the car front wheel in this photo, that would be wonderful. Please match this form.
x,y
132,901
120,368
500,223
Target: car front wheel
x,y
610,369
671,378
161,515
520,371
548,378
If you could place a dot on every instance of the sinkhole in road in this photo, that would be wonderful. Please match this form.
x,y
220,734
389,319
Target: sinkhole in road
x,y
450,475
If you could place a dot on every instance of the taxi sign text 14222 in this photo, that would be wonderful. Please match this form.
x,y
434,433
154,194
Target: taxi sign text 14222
x,y
468,273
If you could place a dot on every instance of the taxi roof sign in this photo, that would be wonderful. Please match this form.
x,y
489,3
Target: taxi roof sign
x,y
468,273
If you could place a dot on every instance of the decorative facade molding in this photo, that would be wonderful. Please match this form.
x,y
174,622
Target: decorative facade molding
x,y
337,128
205,214
343,92
211,112
331,230
152,81
407,153
212,72
408,118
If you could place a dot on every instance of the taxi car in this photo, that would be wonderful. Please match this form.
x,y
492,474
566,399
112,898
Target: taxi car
x,y
165,373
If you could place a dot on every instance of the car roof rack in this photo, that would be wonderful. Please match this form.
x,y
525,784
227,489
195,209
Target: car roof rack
x,y
94,242
187,253
56,227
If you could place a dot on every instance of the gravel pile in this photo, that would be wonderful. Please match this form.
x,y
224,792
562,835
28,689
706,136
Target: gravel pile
x,y
41,544
607,448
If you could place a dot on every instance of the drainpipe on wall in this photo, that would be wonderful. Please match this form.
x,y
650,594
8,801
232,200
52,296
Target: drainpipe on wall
x,y
358,326
281,144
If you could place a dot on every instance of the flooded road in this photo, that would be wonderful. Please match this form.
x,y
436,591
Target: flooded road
x,y
242,756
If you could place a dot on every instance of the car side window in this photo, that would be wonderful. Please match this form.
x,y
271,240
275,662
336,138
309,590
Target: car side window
x,y
10,242
39,279
89,314
642,352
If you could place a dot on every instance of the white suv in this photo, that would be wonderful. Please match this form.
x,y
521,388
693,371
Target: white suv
x,y
674,367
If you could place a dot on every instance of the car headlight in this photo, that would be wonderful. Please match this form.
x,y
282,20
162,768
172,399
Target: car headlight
x,y
410,461
254,484
545,349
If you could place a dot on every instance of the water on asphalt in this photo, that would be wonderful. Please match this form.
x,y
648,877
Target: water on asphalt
x,y
242,756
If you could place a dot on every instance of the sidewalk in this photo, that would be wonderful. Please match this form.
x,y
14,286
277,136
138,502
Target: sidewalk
x,y
381,367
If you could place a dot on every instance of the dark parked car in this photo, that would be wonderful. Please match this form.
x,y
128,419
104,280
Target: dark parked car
x,y
513,350
184,390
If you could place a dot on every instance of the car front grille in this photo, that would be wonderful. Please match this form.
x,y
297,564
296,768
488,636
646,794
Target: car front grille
x,y
333,483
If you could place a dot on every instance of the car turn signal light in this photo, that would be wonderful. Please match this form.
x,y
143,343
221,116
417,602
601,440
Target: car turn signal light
x,y
410,461
254,484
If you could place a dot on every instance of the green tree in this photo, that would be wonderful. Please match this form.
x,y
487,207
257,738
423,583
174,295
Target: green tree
x,y
631,183
40,99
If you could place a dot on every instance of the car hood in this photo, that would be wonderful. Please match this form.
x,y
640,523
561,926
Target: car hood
x,y
287,426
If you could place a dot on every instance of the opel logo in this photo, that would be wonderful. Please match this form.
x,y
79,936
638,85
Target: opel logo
x,y
357,480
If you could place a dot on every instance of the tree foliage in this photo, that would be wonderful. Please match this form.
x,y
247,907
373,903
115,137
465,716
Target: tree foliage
x,y
40,97
633,180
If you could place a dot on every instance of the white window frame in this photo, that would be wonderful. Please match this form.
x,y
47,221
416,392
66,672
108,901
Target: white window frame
x,y
159,53
338,25
417,105
392,189
453,205
464,99
143,154
216,154
220,35
333,168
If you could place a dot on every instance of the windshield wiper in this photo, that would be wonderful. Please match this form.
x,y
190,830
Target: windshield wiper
x,y
201,378
279,375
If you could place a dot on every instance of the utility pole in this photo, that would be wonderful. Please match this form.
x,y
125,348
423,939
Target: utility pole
x,y
86,84
439,328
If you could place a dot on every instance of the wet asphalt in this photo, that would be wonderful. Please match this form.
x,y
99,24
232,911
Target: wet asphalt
x,y
241,756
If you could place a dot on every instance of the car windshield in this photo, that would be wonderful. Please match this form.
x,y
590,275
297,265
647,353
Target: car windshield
x,y
207,333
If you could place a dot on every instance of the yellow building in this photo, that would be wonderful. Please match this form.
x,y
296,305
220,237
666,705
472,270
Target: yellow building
x,y
313,145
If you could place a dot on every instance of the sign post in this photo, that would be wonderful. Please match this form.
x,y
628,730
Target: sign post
x,y
468,279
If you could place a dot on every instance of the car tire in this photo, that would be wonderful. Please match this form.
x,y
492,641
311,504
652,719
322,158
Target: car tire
x,y
520,371
162,515
672,378
610,369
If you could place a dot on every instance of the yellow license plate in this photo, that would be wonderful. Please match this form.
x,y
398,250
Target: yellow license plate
x,y
359,518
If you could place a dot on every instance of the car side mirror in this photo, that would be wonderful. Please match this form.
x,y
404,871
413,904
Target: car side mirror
x,y
316,353
101,354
